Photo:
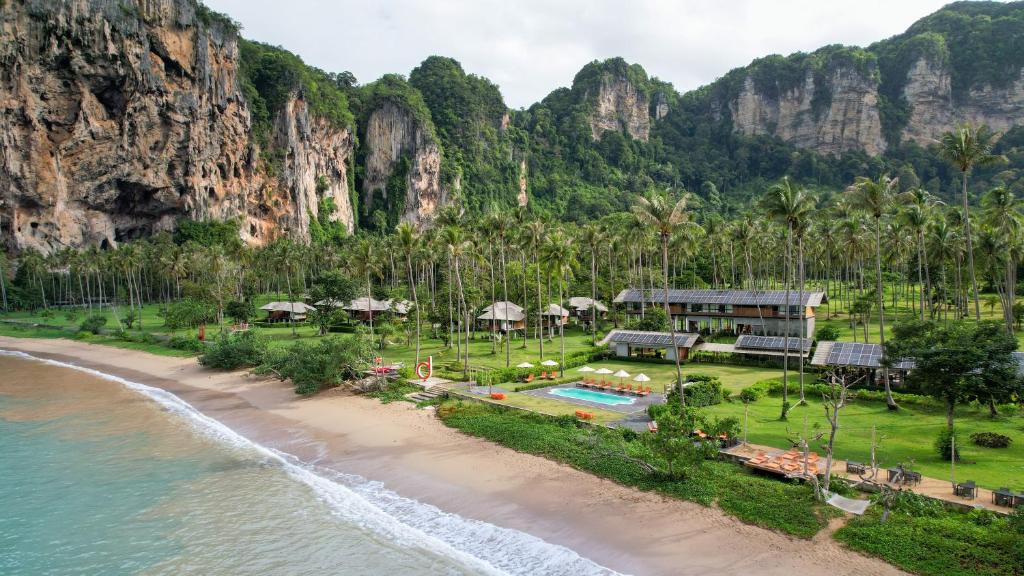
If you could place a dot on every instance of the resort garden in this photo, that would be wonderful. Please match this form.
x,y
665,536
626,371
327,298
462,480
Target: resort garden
x,y
573,341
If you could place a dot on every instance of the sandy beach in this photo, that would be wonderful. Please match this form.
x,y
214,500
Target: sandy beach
x,y
414,454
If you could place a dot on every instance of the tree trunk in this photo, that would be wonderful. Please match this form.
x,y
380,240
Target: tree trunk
x,y
415,303
672,323
785,340
881,311
970,249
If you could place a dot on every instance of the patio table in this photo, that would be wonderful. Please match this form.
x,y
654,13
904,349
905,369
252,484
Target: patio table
x,y
967,489
1002,497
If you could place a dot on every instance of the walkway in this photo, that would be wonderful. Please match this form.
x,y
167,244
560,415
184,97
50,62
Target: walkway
x,y
931,487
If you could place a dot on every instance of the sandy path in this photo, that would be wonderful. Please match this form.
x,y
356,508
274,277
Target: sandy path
x,y
412,453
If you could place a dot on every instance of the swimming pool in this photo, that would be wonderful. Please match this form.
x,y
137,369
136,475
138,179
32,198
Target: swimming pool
x,y
592,396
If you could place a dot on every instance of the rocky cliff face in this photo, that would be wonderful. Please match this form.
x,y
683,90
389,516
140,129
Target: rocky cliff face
x,y
620,106
933,110
118,118
395,140
849,121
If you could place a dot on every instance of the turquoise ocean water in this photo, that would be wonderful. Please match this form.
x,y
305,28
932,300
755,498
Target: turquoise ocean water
x,y
99,475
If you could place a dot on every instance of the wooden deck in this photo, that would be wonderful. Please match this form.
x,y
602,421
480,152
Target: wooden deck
x,y
931,487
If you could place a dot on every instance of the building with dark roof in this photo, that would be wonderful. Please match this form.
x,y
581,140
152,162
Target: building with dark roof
x,y
756,312
639,343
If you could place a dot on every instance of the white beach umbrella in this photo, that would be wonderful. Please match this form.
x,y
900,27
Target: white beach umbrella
x,y
549,363
602,371
585,369
641,378
620,375
524,365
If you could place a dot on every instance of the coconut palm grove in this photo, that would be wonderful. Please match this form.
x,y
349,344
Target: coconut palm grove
x,y
825,346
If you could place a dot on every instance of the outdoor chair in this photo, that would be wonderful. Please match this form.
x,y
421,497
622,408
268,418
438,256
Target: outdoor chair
x,y
967,489
529,378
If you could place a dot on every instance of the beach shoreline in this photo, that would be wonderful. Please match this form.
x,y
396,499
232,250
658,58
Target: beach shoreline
x,y
412,453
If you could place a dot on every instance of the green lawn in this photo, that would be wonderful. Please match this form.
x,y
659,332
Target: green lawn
x,y
734,378
907,436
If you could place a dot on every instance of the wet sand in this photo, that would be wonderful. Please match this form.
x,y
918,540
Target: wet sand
x,y
414,454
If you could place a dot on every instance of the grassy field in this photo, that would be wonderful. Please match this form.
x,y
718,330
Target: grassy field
x,y
907,436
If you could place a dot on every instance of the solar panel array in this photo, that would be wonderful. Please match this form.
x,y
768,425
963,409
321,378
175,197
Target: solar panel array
x,y
654,339
771,343
855,354
735,297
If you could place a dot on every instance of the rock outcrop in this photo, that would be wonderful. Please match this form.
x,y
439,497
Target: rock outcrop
x,y
619,105
396,141
118,118
849,120
933,110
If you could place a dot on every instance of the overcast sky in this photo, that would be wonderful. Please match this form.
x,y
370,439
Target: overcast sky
x,y
531,47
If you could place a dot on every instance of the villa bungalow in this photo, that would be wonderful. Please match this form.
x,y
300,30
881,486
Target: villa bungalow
x,y
582,308
627,343
502,317
554,316
363,309
858,356
759,312
285,311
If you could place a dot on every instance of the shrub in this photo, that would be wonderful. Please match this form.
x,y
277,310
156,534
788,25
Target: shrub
x,y
128,319
189,313
991,440
944,445
189,343
240,311
239,350
1016,520
329,362
71,315
827,333
654,320
756,391
93,324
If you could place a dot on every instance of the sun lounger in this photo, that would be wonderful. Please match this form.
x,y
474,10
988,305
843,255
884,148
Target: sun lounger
x,y
529,378
652,427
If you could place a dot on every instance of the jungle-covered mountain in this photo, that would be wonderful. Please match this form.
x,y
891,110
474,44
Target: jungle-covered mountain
x,y
120,119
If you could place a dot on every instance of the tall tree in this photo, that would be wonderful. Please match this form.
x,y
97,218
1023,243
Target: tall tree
x,y
665,216
408,241
1002,214
559,255
876,197
791,205
966,148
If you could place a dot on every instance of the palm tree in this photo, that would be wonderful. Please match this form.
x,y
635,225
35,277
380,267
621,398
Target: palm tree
x,y
460,247
791,205
967,147
536,232
1002,214
917,215
500,225
559,256
593,237
875,197
366,263
408,241
665,217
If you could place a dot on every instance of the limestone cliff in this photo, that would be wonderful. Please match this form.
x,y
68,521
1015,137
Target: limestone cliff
x,y
849,120
620,105
401,151
928,93
118,118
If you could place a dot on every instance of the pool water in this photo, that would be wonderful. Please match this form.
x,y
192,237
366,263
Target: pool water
x,y
592,396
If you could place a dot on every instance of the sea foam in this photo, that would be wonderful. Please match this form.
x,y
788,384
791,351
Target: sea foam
x,y
479,546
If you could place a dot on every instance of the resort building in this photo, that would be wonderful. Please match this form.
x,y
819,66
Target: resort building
x,y
583,308
502,317
758,312
554,316
628,343
859,356
364,308
765,347
285,311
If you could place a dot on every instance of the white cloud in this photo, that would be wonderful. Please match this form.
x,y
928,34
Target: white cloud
x,y
531,47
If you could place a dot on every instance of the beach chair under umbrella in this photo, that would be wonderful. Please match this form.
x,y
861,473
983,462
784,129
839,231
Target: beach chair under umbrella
x,y
549,363
603,372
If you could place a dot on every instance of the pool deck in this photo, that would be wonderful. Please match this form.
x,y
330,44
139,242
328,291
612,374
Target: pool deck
x,y
639,404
